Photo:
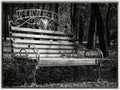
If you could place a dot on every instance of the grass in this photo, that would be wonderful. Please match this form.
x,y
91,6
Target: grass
x,y
88,84
52,78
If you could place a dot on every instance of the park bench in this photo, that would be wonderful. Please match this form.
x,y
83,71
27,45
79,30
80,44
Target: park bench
x,y
45,45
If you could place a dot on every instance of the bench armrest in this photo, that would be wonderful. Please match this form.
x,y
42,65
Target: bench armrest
x,y
11,23
98,50
35,50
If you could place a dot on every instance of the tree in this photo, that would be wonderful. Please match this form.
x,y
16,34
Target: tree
x,y
107,27
5,21
77,22
56,11
73,18
81,29
101,30
96,15
77,28
91,31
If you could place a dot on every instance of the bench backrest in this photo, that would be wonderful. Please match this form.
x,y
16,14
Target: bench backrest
x,y
49,43
38,27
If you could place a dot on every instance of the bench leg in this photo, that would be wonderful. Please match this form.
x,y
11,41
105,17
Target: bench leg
x,y
34,77
99,71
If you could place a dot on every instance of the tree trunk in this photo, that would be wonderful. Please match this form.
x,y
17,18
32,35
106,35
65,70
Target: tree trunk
x,y
96,15
91,31
75,17
101,30
56,11
107,27
71,16
56,8
81,29
5,21
27,6
75,23
43,5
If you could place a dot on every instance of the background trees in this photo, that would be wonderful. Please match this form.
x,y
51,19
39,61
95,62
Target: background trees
x,y
78,18
97,25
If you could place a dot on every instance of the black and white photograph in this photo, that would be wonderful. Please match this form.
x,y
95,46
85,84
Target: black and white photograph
x,y
59,44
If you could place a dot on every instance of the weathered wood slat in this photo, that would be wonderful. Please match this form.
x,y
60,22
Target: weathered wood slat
x,y
67,61
58,60
42,42
40,31
48,47
44,51
33,56
6,43
6,56
6,49
41,36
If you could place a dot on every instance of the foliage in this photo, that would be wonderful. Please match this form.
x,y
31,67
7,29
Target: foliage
x,y
11,75
64,14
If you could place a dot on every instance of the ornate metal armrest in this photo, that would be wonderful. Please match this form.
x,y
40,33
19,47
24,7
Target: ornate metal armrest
x,y
26,54
11,23
99,51
102,56
99,57
37,57
76,49
35,50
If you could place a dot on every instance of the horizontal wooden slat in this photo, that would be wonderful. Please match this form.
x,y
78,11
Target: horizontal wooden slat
x,y
43,42
6,49
41,36
44,51
40,31
66,61
48,47
57,60
6,55
6,43
33,56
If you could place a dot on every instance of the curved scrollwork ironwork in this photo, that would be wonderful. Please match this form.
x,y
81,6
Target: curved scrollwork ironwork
x,y
36,18
37,58
22,55
37,53
35,13
98,53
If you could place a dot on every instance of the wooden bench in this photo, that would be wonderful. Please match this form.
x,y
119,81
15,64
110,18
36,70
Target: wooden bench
x,y
49,48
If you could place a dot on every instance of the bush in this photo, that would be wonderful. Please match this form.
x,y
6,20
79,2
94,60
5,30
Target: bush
x,y
11,75
17,72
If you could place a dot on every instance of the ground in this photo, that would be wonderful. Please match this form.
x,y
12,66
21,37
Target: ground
x,y
62,77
